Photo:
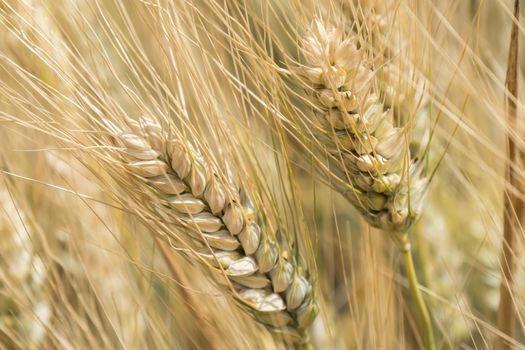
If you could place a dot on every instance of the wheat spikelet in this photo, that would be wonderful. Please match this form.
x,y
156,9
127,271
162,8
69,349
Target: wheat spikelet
x,y
24,310
233,236
358,126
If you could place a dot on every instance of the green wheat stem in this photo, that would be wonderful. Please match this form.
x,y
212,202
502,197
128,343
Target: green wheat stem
x,y
428,332
421,255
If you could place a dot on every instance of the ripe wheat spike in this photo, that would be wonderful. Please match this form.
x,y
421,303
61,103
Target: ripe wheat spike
x,y
231,235
357,124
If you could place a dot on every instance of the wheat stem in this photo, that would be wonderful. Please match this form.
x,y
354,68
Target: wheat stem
x,y
426,321
513,205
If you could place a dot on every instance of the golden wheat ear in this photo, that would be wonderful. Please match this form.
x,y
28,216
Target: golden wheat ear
x,y
356,124
363,120
231,235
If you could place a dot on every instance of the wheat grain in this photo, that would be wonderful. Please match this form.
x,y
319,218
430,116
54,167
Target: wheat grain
x,y
267,283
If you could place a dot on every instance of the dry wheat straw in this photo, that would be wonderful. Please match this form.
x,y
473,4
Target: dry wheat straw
x,y
234,237
513,204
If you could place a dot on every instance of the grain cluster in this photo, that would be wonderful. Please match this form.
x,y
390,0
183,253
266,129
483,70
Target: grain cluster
x,y
233,236
357,124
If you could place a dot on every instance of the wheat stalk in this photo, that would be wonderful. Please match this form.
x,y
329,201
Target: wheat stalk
x,y
513,204
233,236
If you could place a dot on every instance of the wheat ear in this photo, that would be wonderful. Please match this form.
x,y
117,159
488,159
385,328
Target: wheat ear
x,y
356,126
233,235
357,123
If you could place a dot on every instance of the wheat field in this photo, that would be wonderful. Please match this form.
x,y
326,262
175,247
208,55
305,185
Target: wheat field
x,y
262,174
